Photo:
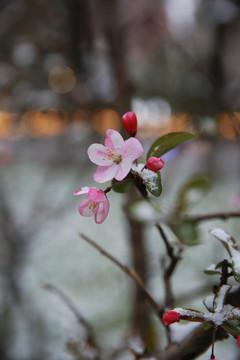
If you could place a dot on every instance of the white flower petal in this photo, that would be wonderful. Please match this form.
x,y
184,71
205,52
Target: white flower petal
x,y
105,173
132,149
123,169
114,141
99,155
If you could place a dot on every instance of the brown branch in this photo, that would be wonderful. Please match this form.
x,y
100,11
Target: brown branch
x,y
215,215
130,272
169,298
67,301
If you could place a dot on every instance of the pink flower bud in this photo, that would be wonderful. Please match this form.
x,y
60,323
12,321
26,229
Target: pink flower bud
x,y
130,123
155,164
170,317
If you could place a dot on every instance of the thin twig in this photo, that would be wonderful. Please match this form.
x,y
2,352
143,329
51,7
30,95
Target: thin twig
x,y
130,272
68,302
169,298
215,215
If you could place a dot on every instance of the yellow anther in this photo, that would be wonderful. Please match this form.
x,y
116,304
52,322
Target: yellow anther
x,y
92,206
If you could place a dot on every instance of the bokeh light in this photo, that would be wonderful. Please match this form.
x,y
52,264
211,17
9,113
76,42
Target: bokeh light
x,y
6,123
106,119
61,80
43,124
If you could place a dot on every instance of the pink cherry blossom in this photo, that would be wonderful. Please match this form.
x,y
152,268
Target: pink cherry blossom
x,y
95,203
115,158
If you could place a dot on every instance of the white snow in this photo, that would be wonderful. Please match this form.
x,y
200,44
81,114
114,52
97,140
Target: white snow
x,y
221,234
149,177
208,302
220,298
236,260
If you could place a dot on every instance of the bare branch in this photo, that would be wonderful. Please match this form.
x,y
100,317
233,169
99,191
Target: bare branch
x,y
130,272
169,298
81,320
215,215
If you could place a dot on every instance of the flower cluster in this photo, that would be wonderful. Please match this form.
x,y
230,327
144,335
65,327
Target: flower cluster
x,y
114,159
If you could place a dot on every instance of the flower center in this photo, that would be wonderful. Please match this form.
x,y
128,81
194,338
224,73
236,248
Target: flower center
x,y
92,206
115,157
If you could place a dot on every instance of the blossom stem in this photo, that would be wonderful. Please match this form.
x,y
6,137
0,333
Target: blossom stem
x,y
213,342
109,188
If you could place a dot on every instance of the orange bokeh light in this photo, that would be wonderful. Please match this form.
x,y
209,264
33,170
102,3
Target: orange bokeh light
x,y
228,124
7,123
106,119
43,124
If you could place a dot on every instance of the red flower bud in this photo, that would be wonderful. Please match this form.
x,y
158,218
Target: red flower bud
x,y
170,317
130,123
155,164
238,341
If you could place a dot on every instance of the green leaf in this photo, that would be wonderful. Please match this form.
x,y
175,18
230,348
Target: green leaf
x,y
192,191
168,142
226,239
212,270
186,231
232,248
152,181
233,327
236,264
149,179
206,326
125,186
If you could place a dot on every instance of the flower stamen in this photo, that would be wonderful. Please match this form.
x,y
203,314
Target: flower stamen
x,y
92,206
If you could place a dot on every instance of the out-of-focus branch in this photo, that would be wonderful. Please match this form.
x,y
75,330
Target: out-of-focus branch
x,y
130,272
68,302
168,271
215,215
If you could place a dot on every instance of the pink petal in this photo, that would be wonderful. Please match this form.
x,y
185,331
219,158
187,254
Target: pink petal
x,y
83,190
96,195
99,155
102,211
123,169
114,141
133,149
105,173
84,207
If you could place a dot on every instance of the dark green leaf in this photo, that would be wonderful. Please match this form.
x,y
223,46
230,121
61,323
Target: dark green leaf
x,y
206,326
152,181
168,142
233,327
212,270
186,232
236,264
125,186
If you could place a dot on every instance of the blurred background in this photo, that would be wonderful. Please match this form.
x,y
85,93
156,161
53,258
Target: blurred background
x,y
69,69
